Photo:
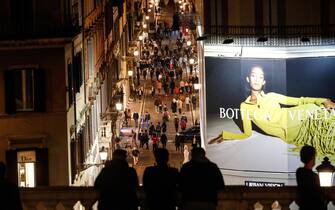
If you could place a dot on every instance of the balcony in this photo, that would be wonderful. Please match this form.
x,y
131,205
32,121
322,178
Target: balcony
x,y
310,35
234,197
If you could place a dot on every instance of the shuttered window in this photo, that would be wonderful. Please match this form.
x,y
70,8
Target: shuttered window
x,y
24,90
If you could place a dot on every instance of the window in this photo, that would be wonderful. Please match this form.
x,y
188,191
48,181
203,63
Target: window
x,y
24,90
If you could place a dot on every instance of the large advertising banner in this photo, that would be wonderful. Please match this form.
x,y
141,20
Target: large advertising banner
x,y
260,112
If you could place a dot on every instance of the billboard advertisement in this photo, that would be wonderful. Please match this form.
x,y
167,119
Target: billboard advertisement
x,y
261,111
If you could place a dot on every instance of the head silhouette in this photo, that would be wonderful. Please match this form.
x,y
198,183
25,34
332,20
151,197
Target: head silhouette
x,y
307,154
162,156
198,154
119,154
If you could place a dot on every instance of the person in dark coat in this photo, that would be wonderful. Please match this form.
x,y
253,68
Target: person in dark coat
x,y
310,196
116,184
160,183
200,182
164,140
9,192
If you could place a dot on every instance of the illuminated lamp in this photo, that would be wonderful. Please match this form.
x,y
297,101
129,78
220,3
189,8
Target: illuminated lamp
x,y
118,105
186,30
136,53
150,5
103,153
326,173
147,17
140,37
196,86
145,25
191,61
130,73
149,10
188,43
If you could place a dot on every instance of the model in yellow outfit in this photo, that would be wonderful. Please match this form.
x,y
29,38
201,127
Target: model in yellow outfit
x,y
299,124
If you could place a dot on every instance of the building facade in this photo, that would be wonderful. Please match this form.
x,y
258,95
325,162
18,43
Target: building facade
x,y
60,65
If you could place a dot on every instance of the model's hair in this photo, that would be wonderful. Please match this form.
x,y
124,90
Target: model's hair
x,y
307,153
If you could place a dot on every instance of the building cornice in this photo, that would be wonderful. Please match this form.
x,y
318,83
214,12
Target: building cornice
x,y
34,43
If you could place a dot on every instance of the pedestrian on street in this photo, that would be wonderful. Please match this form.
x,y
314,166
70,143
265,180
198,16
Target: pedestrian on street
x,y
188,103
186,154
117,184
194,101
158,129
134,139
164,140
146,139
174,105
136,154
135,117
154,140
177,142
151,129
180,105
183,125
176,122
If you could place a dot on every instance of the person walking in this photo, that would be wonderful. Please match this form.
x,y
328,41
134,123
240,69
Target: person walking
x,y
9,192
310,195
176,122
116,184
160,183
200,182
186,154
135,117
164,140
135,153
154,140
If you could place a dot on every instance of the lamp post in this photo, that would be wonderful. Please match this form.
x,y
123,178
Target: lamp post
x,y
103,152
326,173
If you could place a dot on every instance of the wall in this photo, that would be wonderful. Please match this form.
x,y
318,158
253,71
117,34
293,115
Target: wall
x,y
52,123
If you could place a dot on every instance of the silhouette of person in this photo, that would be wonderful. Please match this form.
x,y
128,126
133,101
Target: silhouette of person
x,y
310,196
117,183
9,192
160,183
200,181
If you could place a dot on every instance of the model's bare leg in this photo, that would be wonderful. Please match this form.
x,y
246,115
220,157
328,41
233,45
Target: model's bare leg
x,y
216,140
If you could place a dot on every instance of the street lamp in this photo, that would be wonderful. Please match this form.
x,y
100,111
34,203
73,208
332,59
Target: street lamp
x,y
146,17
149,10
145,25
326,173
191,61
196,86
140,37
136,53
103,153
118,106
130,73
188,43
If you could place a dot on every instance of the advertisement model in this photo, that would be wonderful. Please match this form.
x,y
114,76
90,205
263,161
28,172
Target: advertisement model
x,y
261,111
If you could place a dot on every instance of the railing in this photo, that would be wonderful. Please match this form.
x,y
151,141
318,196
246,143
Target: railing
x,y
277,35
234,197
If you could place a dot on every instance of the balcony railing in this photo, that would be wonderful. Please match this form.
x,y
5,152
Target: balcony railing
x,y
276,35
234,197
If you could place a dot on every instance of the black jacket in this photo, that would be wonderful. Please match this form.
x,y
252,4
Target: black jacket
x,y
117,184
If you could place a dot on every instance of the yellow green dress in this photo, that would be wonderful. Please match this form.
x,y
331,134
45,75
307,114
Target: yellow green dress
x,y
304,122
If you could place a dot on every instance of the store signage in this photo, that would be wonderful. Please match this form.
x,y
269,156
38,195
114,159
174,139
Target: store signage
x,y
26,157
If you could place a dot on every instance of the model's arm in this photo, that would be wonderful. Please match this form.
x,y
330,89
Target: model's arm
x,y
299,101
247,129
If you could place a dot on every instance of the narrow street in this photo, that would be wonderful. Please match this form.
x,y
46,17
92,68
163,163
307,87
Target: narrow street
x,y
164,60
